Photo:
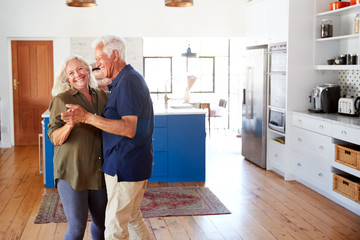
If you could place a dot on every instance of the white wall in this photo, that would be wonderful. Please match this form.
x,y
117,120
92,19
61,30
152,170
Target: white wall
x,y
53,20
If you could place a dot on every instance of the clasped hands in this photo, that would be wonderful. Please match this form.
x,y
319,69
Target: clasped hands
x,y
74,114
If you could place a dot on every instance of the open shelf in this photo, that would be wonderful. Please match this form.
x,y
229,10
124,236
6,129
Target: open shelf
x,y
346,10
337,67
338,37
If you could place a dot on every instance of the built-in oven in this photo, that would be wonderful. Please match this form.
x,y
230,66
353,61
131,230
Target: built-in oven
x,y
277,89
277,118
277,68
277,57
276,76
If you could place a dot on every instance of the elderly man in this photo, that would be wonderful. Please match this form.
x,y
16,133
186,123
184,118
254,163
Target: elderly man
x,y
127,126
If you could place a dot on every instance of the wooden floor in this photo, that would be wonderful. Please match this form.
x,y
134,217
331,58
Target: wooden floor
x,y
263,206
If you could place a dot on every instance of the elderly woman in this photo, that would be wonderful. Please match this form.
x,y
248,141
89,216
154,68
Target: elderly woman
x,y
78,150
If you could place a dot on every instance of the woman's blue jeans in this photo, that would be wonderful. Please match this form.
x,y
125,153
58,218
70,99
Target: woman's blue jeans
x,y
77,205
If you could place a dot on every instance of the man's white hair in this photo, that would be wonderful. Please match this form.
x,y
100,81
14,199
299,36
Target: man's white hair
x,y
111,43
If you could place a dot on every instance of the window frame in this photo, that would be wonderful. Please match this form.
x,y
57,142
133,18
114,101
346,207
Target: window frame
x,y
213,76
167,90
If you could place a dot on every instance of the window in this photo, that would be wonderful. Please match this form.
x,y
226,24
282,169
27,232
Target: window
x,y
158,74
203,68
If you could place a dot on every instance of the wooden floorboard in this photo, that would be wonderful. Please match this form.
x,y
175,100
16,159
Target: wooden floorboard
x,y
262,204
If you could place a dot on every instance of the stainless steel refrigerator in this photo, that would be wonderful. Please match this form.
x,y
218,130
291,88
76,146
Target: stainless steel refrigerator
x,y
254,108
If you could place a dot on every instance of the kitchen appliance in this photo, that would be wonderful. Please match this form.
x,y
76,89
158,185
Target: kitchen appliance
x,y
277,120
347,106
277,68
254,114
325,98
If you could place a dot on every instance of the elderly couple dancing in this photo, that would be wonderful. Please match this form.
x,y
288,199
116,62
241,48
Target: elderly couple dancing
x,y
103,143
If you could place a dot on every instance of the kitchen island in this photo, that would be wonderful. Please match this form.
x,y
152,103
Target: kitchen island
x,y
315,138
179,145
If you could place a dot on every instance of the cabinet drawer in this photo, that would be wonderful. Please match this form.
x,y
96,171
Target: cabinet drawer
x,y
160,140
311,124
310,142
312,174
160,121
347,134
160,164
276,156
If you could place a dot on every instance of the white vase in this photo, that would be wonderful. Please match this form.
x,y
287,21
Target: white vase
x,y
187,95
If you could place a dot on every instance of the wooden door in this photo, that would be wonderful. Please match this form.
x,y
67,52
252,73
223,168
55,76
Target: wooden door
x,y
32,68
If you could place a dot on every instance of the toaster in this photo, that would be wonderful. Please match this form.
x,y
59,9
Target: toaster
x,y
347,106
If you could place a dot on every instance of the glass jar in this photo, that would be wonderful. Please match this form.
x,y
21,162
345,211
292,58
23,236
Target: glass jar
x,y
342,59
326,28
354,59
356,23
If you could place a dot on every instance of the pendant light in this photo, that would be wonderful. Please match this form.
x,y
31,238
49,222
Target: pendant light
x,y
179,3
81,3
188,53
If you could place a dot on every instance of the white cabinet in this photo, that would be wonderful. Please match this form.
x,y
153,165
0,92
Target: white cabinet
x,y
311,175
344,41
347,134
312,153
311,124
276,157
267,20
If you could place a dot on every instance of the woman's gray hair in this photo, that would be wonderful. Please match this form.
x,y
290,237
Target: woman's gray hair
x,y
61,81
111,43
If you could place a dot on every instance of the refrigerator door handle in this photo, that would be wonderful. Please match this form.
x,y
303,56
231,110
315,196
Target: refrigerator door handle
x,y
244,96
249,95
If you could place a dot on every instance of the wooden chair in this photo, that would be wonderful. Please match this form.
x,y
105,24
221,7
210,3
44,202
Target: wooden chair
x,y
206,106
218,112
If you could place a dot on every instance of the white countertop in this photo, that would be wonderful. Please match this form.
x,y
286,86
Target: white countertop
x,y
345,120
160,109
180,109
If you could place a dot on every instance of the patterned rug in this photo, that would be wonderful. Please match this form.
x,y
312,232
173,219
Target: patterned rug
x,y
157,202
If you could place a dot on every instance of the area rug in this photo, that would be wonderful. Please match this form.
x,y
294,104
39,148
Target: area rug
x,y
157,202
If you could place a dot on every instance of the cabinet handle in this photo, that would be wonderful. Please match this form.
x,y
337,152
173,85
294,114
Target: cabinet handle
x,y
343,132
276,155
320,174
321,147
321,126
41,170
299,164
299,139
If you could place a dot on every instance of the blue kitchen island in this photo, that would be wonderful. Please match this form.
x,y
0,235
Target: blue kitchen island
x,y
179,146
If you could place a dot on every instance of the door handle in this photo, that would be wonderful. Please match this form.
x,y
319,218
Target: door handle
x,y
15,84
249,95
244,96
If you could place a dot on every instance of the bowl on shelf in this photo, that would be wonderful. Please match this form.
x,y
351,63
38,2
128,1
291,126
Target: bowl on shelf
x,y
331,61
338,5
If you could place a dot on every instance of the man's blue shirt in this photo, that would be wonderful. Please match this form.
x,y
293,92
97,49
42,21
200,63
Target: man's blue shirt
x,y
130,158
